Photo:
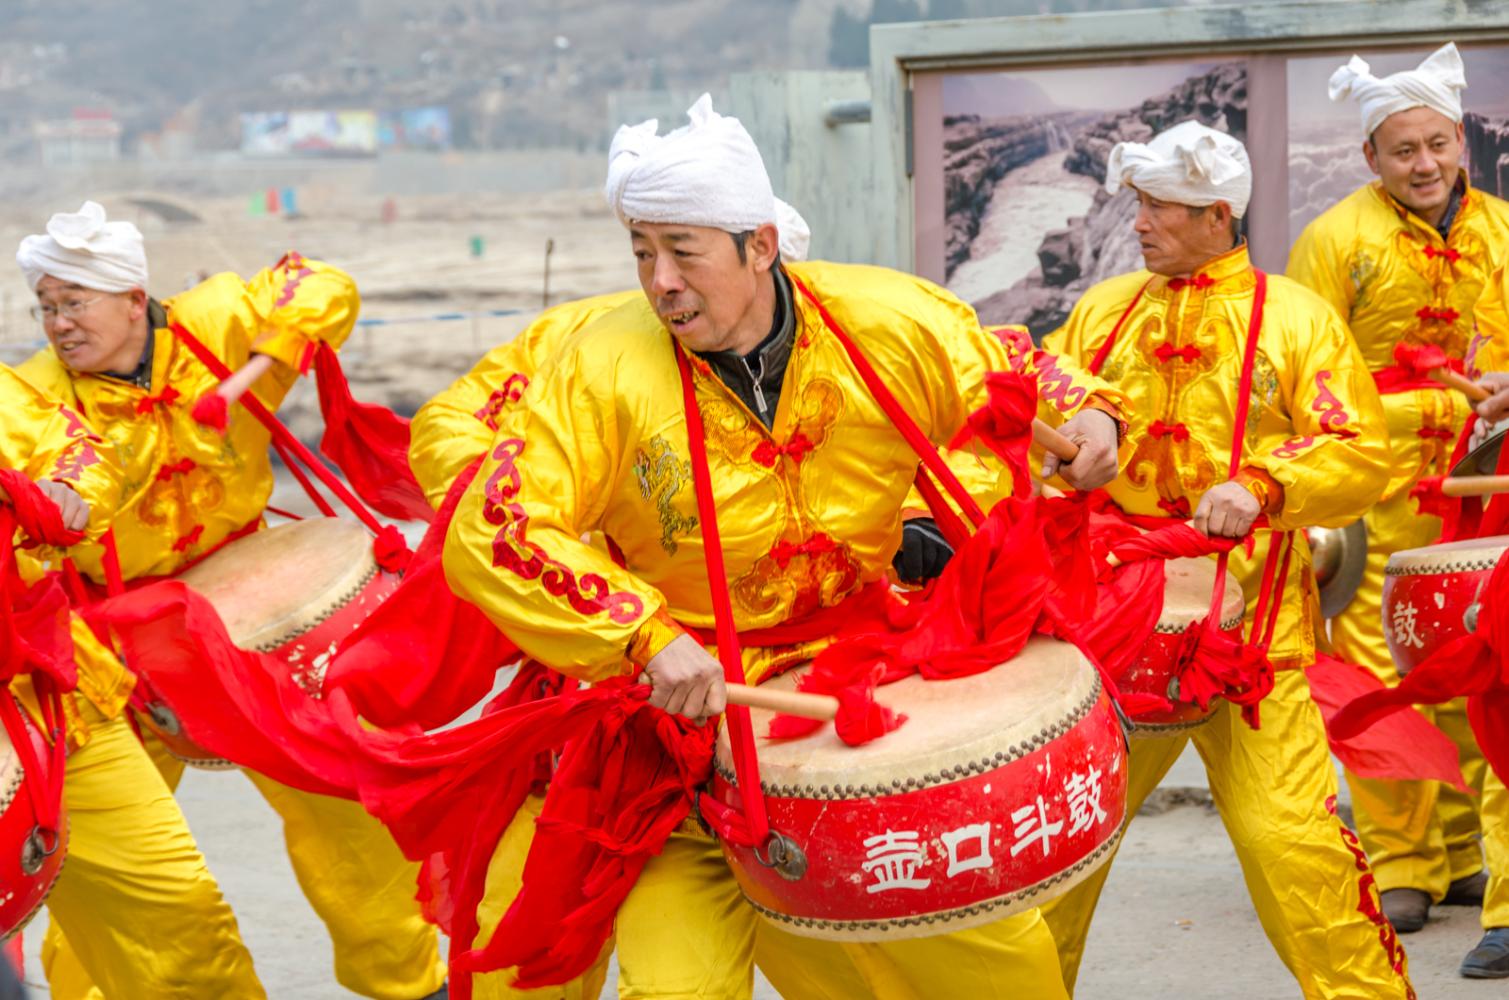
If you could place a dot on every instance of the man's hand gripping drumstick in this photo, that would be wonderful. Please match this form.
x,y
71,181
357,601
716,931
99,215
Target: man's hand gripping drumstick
x,y
689,682
1083,450
1490,396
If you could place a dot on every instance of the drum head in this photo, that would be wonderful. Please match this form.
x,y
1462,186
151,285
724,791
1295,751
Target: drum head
x,y
277,584
950,724
1340,558
1469,554
1482,460
1188,584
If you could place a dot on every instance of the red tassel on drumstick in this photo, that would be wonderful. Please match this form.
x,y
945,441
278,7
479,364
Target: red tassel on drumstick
x,y
213,410
1430,361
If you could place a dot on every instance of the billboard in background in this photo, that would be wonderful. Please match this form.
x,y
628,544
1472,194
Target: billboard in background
x,y
333,133
264,133
309,133
415,128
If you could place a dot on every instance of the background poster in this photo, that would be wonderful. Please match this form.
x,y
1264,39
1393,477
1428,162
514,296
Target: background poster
x,y
1029,226
1326,162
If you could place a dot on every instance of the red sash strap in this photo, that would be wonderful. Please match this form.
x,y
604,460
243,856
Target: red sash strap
x,y
925,449
1097,362
755,825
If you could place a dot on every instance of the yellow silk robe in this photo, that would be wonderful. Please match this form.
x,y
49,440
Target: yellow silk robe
x,y
602,445
188,487
1315,427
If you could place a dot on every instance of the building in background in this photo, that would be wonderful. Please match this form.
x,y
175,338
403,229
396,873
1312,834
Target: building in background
x,y
90,136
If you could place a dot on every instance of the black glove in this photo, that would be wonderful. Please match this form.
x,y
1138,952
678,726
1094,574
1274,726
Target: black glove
x,y
923,553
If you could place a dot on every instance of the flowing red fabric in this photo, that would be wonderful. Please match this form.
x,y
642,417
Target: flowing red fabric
x,y
424,655
369,443
1404,746
1004,424
1475,666
619,793
978,614
446,797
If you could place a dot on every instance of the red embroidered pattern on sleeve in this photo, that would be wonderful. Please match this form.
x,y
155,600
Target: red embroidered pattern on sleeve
x,y
1333,413
510,392
513,551
1292,447
79,455
1056,387
294,266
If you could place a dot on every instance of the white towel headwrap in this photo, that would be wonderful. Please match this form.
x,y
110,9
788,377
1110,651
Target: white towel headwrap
x,y
1437,83
706,173
1189,164
82,248
796,237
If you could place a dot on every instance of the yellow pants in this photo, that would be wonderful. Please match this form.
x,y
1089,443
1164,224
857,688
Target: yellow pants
x,y
1275,789
685,931
357,881
134,892
1418,834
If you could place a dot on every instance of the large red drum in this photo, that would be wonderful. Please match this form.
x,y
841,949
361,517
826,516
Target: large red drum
x,y
295,591
31,856
1186,602
1000,791
1431,595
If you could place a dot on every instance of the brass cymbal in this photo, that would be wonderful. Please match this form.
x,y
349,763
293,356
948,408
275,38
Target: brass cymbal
x,y
1340,557
1482,460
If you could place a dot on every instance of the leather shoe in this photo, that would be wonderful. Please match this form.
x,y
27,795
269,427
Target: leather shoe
x,y
1406,909
1467,891
1490,959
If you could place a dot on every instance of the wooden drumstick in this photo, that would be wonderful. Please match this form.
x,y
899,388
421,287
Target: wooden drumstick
x,y
1474,486
245,377
1456,380
1053,441
809,706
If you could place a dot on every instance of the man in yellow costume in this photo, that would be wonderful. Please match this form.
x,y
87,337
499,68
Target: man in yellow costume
x,y
801,457
1175,338
1404,261
121,359
134,891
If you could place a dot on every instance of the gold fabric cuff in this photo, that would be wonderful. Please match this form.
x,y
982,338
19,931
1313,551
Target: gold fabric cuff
x,y
654,634
1266,490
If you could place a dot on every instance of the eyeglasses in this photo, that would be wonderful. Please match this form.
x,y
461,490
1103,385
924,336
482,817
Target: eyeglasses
x,y
70,310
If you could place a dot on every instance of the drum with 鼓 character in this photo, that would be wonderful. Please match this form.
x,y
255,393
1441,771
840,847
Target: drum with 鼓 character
x,y
1000,791
1432,595
1186,603
295,591
31,850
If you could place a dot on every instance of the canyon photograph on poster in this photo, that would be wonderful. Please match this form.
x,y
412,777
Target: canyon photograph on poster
x,y
1029,224
1326,162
